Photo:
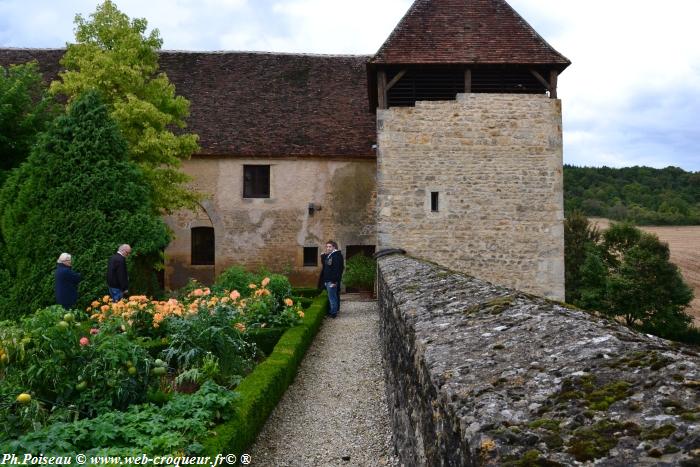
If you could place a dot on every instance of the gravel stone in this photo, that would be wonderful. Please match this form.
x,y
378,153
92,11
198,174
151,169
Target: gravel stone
x,y
335,413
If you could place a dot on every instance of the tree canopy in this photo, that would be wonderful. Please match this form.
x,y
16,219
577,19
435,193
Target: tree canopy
x,y
25,110
77,193
579,238
641,195
627,274
114,55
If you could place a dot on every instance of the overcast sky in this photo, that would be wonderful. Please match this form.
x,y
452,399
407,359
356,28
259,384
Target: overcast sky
x,y
631,96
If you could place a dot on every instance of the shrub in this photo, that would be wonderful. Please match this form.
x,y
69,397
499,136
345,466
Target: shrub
x,y
235,278
307,292
279,286
359,272
142,429
68,370
210,334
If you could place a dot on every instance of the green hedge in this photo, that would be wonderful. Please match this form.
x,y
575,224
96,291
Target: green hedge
x,y
266,338
309,292
263,388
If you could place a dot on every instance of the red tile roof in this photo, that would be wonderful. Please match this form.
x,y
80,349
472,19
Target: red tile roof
x,y
262,104
466,32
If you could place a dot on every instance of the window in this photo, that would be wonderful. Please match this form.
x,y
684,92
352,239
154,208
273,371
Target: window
x,y
434,201
311,256
256,181
202,245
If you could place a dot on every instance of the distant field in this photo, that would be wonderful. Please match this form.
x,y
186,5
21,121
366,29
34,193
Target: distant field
x,y
684,243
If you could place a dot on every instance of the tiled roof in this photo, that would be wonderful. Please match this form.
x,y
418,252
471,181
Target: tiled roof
x,y
47,59
466,32
262,104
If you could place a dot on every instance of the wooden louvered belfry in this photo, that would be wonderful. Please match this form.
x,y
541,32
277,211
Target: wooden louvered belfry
x,y
444,47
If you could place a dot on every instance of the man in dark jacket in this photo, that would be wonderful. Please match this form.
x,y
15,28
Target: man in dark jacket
x,y
331,274
66,282
117,276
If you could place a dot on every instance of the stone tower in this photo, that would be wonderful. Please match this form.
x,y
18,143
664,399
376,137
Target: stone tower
x,y
469,136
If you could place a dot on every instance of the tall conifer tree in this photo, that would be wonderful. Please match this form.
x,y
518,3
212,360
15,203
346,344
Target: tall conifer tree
x,y
77,192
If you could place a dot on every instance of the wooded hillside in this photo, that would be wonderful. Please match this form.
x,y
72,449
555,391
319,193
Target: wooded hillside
x,y
642,195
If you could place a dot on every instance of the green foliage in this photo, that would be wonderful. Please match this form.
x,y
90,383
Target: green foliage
x,y
63,375
279,286
307,292
67,379
78,193
143,429
359,272
235,278
25,110
641,195
207,334
579,237
629,275
266,338
115,56
267,312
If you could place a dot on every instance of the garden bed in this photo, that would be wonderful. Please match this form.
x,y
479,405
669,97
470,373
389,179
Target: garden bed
x,y
261,390
153,377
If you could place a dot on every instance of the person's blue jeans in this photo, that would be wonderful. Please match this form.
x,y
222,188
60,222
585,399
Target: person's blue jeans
x,y
333,297
116,294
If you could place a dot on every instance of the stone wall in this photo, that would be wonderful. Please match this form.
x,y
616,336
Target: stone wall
x,y
496,162
479,374
272,232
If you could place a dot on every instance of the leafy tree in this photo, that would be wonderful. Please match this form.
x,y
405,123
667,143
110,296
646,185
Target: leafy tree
x,y
25,110
115,56
77,192
579,237
629,275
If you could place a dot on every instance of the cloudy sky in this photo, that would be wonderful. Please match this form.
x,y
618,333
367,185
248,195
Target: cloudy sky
x,y
631,96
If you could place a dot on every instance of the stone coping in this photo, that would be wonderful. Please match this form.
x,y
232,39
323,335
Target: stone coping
x,y
479,374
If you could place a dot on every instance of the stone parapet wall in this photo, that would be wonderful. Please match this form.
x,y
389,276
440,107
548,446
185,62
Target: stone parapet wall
x,y
479,374
496,162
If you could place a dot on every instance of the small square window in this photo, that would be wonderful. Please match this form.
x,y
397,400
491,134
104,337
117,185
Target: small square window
x,y
256,181
311,256
202,245
434,201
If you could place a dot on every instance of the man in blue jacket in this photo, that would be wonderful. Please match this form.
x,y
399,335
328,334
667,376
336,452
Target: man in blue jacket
x,y
66,282
331,274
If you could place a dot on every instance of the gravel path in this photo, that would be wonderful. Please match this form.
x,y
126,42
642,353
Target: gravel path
x,y
335,412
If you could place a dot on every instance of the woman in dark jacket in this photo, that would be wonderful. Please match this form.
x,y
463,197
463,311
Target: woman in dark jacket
x,y
66,282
